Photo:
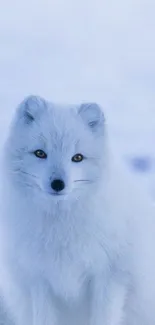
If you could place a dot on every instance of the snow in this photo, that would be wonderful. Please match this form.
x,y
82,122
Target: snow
x,y
74,51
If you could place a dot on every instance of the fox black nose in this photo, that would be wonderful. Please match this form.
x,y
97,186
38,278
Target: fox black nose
x,y
57,185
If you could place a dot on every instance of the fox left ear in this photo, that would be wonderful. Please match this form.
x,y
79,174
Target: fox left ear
x,y
93,116
31,107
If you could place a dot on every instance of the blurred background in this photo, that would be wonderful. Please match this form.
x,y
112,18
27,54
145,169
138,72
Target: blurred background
x,y
96,50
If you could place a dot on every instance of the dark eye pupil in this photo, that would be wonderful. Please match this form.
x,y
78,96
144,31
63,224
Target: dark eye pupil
x,y
77,158
40,154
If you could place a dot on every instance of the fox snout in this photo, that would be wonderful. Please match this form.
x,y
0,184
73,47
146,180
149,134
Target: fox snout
x,y
57,185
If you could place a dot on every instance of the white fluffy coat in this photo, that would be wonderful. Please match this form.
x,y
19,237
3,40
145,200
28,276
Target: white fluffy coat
x,y
82,258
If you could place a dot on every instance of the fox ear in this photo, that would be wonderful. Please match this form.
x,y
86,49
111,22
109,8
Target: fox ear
x,y
31,107
93,116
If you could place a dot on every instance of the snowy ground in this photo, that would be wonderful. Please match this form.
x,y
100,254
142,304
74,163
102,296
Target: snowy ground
x,y
77,50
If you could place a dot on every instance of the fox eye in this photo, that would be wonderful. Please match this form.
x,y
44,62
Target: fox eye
x,y
77,158
40,154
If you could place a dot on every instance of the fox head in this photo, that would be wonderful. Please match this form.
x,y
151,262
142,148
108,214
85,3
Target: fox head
x,y
55,152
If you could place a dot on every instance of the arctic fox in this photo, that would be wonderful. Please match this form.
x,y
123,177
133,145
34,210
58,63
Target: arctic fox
x,y
77,246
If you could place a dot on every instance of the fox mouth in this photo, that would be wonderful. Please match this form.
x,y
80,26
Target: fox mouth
x,y
57,194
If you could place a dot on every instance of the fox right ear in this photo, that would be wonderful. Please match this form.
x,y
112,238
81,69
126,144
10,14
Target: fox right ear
x,y
30,108
93,117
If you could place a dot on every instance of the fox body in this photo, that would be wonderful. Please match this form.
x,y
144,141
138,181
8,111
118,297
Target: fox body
x,y
75,248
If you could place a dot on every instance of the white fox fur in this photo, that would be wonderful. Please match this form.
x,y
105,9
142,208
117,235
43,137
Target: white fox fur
x,y
86,257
